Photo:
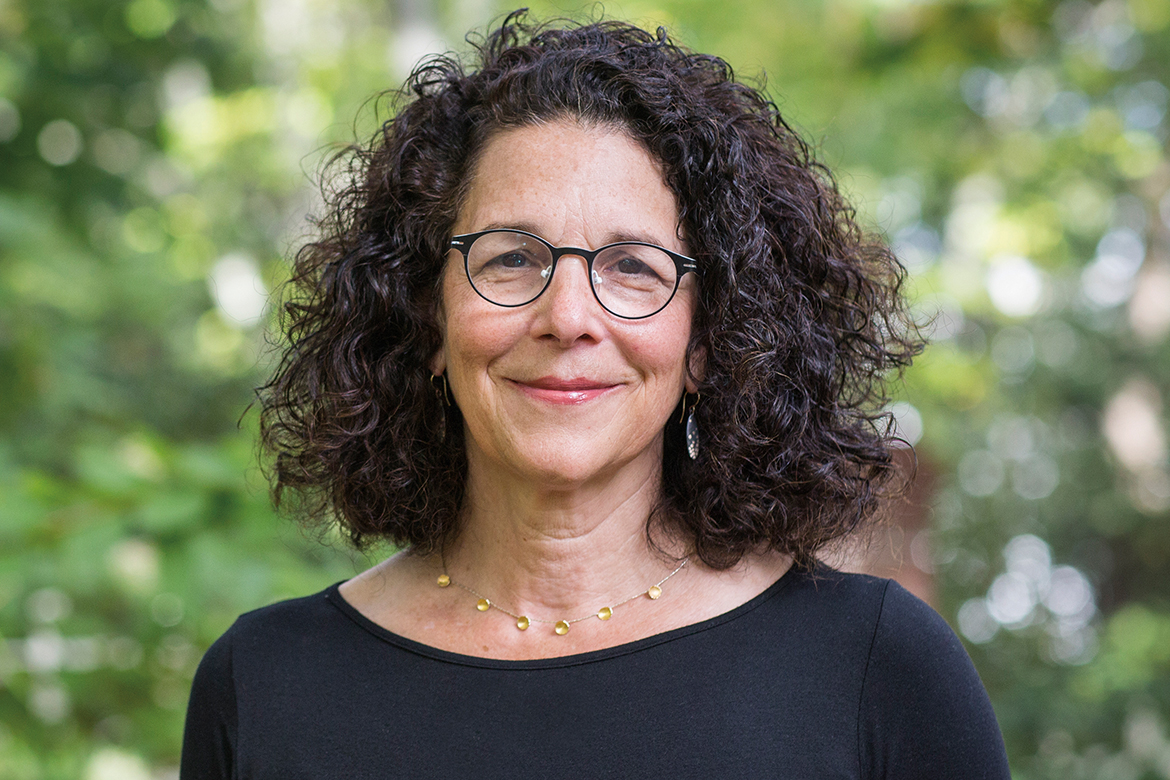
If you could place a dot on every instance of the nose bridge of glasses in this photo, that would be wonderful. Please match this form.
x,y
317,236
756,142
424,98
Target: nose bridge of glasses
x,y
561,252
587,255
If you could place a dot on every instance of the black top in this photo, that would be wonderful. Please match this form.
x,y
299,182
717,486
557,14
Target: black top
x,y
826,676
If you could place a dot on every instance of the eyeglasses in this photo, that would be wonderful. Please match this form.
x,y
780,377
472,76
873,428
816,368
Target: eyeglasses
x,y
631,279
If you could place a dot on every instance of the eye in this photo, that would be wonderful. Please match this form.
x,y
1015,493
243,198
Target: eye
x,y
515,260
635,269
512,260
630,265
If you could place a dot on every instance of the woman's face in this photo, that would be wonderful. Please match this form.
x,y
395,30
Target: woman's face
x,y
560,390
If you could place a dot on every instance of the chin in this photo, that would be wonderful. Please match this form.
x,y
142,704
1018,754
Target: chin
x,y
564,467
569,462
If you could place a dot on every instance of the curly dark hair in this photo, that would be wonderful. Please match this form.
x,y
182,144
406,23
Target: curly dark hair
x,y
800,319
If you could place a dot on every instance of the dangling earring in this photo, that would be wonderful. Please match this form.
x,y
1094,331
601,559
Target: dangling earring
x,y
692,429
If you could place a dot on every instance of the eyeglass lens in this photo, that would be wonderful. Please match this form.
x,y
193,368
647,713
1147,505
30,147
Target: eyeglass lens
x,y
630,280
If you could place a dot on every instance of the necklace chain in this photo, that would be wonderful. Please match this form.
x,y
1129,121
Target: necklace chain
x,y
560,626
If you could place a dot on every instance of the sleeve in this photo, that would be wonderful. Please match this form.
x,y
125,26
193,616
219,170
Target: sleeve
x,y
209,736
924,712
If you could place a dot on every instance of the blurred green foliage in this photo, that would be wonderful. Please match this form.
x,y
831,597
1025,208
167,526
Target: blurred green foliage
x,y
155,166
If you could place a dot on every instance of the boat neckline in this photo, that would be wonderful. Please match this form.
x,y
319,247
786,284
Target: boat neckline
x,y
333,596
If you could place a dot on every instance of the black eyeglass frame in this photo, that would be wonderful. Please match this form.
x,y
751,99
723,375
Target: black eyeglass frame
x,y
682,265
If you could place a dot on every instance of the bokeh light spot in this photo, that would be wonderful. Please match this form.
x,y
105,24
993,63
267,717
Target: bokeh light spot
x,y
980,473
150,18
59,142
1015,286
238,289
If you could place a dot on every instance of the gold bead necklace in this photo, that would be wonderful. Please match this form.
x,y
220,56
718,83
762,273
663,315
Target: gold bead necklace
x,y
561,627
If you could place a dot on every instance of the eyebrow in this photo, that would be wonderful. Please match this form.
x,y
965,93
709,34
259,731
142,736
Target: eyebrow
x,y
615,237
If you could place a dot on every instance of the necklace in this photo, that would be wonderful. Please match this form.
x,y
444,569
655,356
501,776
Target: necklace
x,y
561,627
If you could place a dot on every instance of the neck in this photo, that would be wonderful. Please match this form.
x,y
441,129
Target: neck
x,y
556,550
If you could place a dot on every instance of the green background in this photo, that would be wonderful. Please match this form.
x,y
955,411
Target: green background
x,y
156,167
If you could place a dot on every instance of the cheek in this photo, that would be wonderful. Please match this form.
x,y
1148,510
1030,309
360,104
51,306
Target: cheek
x,y
678,336
474,332
475,341
663,353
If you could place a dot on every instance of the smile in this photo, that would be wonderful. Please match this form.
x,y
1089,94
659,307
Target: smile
x,y
563,391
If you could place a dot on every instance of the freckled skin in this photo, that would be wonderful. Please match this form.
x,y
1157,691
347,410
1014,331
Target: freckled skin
x,y
558,490
574,185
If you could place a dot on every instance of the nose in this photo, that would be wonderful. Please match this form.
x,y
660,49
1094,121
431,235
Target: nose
x,y
568,310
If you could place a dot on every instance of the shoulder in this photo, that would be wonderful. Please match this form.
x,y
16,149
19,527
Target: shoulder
x,y
890,619
283,619
831,602
268,639
924,711
255,672
919,708
823,623
908,630
274,658
913,646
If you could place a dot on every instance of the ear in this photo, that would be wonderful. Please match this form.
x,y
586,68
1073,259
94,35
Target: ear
x,y
438,363
696,369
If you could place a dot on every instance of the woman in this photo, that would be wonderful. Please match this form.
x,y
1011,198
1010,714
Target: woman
x,y
599,346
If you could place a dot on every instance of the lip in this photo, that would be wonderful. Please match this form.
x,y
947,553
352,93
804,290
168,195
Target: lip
x,y
557,390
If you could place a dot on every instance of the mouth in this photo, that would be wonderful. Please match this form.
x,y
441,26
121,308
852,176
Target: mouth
x,y
556,390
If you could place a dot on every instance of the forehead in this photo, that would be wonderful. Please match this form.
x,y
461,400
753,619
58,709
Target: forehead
x,y
570,181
